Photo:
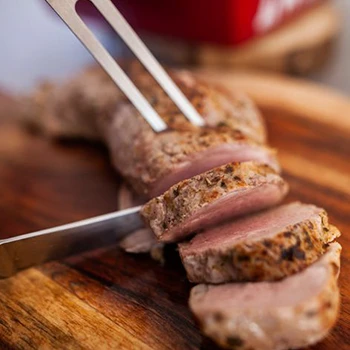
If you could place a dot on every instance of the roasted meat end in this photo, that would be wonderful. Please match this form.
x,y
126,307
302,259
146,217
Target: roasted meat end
x,y
295,312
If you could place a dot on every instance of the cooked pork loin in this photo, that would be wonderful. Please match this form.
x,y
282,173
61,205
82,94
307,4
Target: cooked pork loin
x,y
73,108
92,106
295,312
154,162
209,175
211,198
266,246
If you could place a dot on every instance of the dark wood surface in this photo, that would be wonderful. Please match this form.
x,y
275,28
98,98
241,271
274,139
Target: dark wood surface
x,y
107,299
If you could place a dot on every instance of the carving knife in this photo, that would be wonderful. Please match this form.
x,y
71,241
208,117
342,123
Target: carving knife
x,y
30,249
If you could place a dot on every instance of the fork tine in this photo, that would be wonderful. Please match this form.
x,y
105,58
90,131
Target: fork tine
x,y
66,10
122,27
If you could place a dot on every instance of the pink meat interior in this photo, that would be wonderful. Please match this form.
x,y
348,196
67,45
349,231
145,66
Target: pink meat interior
x,y
239,202
213,158
263,295
260,225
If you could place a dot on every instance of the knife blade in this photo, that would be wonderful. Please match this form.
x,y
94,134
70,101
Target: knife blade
x,y
24,251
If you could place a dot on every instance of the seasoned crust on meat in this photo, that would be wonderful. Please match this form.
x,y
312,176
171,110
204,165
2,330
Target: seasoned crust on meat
x,y
91,106
155,162
218,106
261,253
295,312
168,215
63,109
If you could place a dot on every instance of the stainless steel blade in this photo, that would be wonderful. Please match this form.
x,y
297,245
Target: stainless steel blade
x,y
34,248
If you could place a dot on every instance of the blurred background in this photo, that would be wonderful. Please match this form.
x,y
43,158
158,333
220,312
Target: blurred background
x,y
301,37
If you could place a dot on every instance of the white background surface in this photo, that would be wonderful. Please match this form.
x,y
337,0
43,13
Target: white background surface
x,y
36,45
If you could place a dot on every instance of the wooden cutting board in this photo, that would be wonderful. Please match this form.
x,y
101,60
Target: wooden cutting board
x,y
107,299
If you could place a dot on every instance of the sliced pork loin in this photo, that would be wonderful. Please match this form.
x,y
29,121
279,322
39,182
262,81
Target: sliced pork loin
x,y
266,246
295,312
213,197
91,106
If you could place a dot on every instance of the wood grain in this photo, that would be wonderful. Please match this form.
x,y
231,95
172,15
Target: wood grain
x,y
108,299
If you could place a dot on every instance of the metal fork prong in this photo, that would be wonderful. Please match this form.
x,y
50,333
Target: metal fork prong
x,y
66,10
122,27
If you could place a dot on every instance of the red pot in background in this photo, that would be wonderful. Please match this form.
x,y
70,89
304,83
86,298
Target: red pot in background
x,y
226,22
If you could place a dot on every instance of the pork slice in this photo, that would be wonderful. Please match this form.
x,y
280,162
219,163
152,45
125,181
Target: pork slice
x,y
91,106
265,246
295,312
213,197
